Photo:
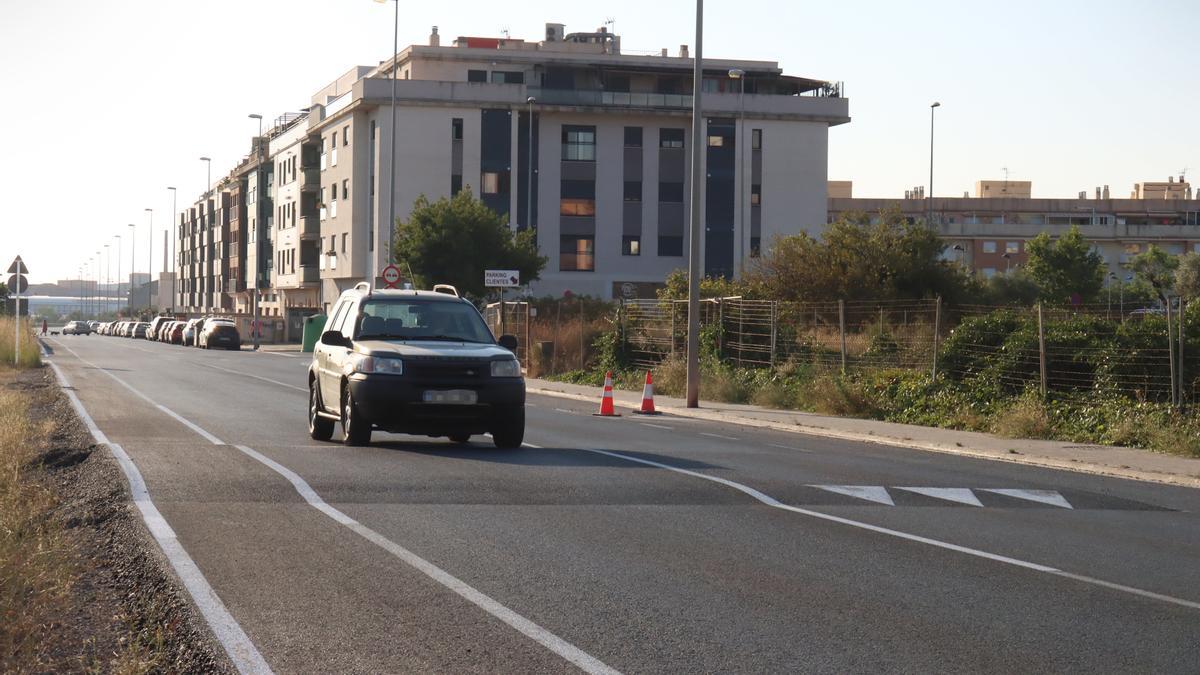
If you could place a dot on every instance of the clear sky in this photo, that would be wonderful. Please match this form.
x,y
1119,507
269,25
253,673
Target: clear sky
x,y
107,102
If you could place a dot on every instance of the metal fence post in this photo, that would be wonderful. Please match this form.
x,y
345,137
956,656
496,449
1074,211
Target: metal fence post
x,y
1041,350
937,330
774,328
672,328
528,336
1182,381
842,331
1171,356
624,328
720,328
582,326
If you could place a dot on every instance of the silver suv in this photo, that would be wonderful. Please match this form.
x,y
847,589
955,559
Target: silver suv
x,y
415,362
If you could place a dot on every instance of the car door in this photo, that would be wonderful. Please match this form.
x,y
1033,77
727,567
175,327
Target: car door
x,y
329,358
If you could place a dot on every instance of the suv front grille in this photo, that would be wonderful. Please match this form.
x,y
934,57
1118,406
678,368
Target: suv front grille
x,y
446,369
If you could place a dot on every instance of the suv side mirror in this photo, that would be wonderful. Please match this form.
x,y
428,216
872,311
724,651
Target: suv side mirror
x,y
509,342
334,338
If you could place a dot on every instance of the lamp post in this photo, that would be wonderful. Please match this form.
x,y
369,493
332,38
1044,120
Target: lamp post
x,y
258,202
1007,263
132,264
174,263
107,273
962,254
391,224
929,199
740,75
697,186
81,291
529,175
150,258
118,247
96,313
1111,278
208,175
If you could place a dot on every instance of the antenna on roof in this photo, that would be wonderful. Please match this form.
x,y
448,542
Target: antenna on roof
x,y
611,22
1005,170
506,32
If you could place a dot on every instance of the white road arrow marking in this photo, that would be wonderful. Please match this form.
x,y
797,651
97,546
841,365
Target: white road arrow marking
x,y
960,495
1043,496
872,493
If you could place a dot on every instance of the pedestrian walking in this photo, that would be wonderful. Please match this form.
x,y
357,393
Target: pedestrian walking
x,y
45,327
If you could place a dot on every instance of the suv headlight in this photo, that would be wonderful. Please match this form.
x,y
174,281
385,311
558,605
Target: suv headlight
x,y
377,364
506,368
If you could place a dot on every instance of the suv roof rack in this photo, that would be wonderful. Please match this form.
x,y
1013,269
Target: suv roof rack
x,y
447,289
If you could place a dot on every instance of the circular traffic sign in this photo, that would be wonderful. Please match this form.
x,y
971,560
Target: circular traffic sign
x,y
391,276
17,284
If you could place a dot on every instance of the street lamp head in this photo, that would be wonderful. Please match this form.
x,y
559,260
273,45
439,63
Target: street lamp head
x,y
736,73
531,100
935,104
170,188
254,116
958,247
148,209
205,159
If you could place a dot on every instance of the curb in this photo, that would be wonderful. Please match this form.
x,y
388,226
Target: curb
x,y
1043,462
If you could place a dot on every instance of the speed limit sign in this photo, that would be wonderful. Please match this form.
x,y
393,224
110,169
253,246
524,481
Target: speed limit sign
x,y
391,276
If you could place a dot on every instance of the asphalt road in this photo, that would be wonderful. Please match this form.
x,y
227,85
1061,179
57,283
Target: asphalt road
x,y
636,544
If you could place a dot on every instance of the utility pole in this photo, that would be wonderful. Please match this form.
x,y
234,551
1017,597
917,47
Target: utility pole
x,y
258,220
174,236
150,260
929,199
697,180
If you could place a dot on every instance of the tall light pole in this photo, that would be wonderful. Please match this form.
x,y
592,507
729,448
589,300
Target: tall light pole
x,y
208,175
118,247
740,75
80,291
97,306
150,258
107,273
392,157
258,201
132,264
929,199
174,263
694,230
529,171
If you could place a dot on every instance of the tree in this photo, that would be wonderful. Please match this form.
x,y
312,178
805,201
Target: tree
x,y
1064,267
453,241
858,259
3,298
1187,277
1157,268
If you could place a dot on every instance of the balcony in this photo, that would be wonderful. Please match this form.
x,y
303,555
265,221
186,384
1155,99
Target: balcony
x,y
816,108
309,273
310,227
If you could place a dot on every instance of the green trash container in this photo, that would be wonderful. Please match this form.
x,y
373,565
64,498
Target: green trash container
x,y
313,326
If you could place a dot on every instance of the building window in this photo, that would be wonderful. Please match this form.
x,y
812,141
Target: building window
x,y
755,247
633,190
577,207
988,272
577,253
345,239
756,139
631,244
476,76
493,183
333,192
1012,247
989,247
455,184
670,138
346,189
346,135
670,245
755,195
456,129
671,192
633,137
579,144
716,141
508,77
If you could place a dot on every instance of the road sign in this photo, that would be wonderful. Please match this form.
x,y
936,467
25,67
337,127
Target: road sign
x,y
18,266
391,276
501,278
17,284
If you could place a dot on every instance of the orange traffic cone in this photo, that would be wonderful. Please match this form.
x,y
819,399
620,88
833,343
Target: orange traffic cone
x,y
606,400
648,398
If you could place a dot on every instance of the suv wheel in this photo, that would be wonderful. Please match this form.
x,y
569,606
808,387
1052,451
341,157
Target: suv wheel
x,y
319,428
459,438
356,430
508,430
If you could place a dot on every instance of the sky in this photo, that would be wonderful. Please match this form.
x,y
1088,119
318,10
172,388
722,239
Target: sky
x,y
108,102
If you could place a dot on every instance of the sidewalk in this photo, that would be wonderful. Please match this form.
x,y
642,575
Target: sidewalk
x,y
285,347
1097,459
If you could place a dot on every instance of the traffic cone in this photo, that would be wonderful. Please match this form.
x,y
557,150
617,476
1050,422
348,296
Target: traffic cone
x,y
648,398
606,400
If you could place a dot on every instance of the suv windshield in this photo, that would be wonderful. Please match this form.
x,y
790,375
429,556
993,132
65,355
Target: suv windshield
x,y
411,319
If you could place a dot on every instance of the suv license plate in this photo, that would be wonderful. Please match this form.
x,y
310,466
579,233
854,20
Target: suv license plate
x,y
452,396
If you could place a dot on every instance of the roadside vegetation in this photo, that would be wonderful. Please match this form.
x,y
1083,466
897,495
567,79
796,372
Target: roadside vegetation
x,y
1108,380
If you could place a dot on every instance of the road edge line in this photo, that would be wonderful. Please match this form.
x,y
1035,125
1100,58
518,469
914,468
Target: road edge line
x,y
238,646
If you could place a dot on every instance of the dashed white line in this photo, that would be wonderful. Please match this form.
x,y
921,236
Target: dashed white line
x,y
257,377
726,438
547,639
564,410
657,426
788,447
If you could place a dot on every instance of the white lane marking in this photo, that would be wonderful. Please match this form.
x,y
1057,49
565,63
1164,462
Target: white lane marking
x,y
873,493
547,639
233,639
959,495
771,501
1050,497
257,377
566,650
657,426
290,356
725,438
564,410
788,447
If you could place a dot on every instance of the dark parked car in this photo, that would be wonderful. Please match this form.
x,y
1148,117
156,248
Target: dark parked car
x,y
77,328
218,333
175,332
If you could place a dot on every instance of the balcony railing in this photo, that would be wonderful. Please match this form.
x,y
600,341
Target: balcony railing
x,y
611,98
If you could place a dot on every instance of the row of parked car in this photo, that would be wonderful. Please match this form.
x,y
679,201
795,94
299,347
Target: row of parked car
x,y
210,332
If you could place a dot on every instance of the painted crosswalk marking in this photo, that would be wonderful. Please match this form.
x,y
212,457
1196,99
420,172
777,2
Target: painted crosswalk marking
x,y
880,494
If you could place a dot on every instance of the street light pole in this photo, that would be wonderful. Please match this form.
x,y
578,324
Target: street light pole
x,y
929,199
107,273
132,264
150,259
258,196
392,155
174,236
529,176
740,75
118,238
96,313
697,181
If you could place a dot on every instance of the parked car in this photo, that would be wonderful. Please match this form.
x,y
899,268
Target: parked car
x,y
139,330
156,325
175,332
190,331
77,328
161,334
414,362
220,333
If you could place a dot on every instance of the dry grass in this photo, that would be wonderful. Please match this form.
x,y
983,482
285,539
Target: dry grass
x,y
37,563
1025,418
30,355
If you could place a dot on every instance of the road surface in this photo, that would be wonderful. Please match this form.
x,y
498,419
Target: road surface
x,y
634,544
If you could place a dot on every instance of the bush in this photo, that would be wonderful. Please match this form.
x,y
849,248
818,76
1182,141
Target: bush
x,y
1025,418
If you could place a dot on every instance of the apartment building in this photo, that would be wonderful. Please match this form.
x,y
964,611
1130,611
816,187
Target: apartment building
x,y
202,232
990,233
571,137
